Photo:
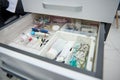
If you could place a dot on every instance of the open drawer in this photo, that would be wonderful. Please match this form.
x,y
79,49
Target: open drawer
x,y
23,53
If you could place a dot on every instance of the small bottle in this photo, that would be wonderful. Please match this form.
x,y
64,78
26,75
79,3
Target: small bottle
x,y
25,38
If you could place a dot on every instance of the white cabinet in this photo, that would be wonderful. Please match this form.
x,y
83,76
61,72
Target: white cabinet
x,y
79,21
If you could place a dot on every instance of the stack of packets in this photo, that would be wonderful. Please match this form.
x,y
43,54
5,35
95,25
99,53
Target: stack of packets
x,y
73,53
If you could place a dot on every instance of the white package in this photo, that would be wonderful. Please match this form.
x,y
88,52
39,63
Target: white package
x,y
65,51
56,48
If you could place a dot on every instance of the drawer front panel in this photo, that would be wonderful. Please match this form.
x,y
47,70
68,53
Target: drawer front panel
x,y
32,68
96,10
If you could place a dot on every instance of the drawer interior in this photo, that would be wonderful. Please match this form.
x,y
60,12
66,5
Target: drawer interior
x,y
52,36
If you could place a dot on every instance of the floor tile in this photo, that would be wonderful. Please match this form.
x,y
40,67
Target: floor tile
x,y
111,70
112,54
108,45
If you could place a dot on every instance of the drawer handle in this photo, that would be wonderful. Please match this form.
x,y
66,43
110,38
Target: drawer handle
x,y
62,7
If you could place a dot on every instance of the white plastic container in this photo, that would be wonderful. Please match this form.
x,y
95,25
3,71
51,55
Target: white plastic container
x,y
72,37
